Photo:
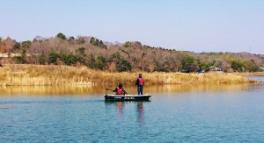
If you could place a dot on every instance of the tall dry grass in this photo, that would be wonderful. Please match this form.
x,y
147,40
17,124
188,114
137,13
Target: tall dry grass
x,y
52,75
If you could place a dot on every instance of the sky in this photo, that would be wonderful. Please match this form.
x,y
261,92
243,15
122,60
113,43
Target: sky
x,y
189,25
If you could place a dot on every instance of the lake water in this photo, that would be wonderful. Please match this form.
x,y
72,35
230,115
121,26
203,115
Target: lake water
x,y
233,114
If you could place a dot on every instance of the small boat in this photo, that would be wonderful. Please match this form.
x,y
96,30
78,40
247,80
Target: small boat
x,y
127,98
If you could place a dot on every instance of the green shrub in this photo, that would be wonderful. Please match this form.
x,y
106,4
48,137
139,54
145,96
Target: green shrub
x,y
61,36
123,65
127,44
251,66
97,42
70,59
53,57
100,62
42,59
189,64
91,61
237,66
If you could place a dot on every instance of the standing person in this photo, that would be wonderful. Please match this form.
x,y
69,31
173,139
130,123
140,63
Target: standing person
x,y
140,84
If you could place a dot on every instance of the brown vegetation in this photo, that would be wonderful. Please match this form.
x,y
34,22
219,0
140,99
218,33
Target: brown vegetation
x,y
47,75
130,56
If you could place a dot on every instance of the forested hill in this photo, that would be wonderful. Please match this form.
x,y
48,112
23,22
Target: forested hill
x,y
128,56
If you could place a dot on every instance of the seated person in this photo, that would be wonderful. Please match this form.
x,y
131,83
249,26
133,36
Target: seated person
x,y
120,90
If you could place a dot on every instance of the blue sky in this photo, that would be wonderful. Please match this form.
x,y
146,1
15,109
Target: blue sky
x,y
191,25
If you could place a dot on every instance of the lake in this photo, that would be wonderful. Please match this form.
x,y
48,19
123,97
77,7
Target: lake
x,y
226,114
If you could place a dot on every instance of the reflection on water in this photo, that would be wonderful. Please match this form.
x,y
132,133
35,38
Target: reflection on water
x,y
83,90
49,90
120,107
140,112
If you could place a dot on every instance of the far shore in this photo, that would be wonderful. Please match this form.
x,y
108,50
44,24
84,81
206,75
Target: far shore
x,y
252,74
60,75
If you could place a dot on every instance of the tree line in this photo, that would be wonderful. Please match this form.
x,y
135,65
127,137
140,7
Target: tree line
x,y
129,56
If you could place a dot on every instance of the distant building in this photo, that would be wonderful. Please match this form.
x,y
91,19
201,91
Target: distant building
x,y
213,68
11,55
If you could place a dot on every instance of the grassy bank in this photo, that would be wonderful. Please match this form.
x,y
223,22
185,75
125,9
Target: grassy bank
x,y
41,75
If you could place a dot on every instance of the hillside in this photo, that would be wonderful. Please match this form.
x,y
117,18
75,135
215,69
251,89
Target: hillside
x,y
129,56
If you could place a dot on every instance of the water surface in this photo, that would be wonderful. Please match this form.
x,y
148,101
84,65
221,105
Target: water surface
x,y
232,114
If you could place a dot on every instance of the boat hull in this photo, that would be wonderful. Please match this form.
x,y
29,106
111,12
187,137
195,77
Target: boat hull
x,y
127,98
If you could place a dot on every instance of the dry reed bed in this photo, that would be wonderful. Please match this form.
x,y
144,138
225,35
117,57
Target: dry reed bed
x,y
49,75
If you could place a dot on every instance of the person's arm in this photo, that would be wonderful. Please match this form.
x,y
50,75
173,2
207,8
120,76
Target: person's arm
x,y
125,92
137,82
115,90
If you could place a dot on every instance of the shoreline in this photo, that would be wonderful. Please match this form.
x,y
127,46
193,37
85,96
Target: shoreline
x,y
252,74
83,90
